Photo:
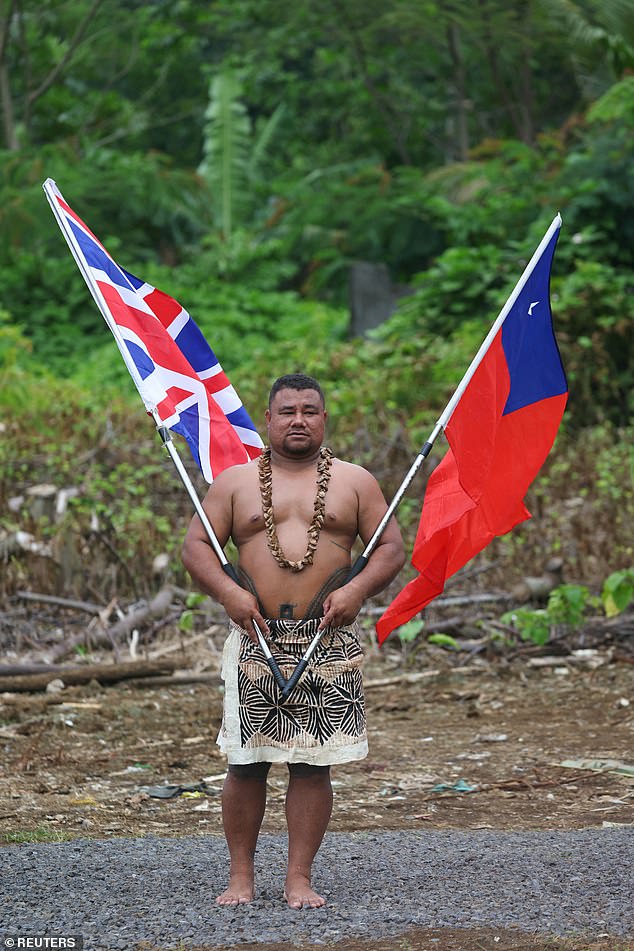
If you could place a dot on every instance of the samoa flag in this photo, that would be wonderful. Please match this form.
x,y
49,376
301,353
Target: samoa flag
x,y
499,435
176,372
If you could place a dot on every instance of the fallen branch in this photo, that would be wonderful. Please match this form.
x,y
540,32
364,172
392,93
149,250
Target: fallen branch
x,y
455,601
176,679
400,679
21,670
102,673
158,606
419,675
69,603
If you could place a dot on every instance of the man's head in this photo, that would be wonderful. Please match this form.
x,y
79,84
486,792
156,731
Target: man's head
x,y
296,381
296,417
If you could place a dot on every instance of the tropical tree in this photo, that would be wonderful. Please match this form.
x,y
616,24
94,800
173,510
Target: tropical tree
x,y
101,70
235,153
599,35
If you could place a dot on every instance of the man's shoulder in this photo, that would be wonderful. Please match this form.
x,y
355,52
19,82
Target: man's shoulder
x,y
235,476
244,471
352,471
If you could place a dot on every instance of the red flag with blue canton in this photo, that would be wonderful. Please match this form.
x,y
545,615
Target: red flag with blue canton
x,y
175,370
499,436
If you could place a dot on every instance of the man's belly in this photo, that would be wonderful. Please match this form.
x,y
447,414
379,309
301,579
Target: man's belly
x,y
283,593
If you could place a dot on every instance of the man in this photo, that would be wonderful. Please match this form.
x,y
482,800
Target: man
x,y
294,515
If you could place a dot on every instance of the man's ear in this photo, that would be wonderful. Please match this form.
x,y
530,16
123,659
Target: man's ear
x,y
267,416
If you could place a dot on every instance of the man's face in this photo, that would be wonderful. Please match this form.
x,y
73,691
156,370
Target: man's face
x,y
296,421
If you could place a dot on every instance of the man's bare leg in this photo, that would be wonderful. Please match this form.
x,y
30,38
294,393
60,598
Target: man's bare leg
x,y
243,806
308,810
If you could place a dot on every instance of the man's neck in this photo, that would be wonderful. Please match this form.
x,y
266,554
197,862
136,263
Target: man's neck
x,y
291,461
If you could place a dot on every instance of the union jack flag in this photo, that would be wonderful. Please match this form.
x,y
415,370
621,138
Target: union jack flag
x,y
175,370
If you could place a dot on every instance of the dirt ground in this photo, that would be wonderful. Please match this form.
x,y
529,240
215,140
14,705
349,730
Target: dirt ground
x,y
472,746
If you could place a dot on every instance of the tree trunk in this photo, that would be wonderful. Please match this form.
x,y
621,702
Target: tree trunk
x,y
526,97
8,122
504,93
461,137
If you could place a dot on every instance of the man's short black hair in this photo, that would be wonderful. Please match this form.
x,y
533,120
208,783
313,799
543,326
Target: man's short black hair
x,y
296,381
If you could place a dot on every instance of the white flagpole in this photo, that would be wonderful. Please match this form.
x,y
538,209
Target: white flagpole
x,y
488,340
227,567
453,402
51,190
443,419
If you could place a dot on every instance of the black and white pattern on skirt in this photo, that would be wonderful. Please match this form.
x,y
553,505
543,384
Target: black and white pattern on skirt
x,y
322,722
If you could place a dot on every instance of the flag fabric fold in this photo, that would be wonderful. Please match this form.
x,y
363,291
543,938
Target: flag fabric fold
x,y
177,374
499,434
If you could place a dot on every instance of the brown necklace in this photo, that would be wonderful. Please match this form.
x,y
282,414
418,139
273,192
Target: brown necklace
x,y
319,512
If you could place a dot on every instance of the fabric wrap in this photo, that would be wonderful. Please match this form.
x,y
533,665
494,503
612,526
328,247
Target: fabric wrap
x,y
323,720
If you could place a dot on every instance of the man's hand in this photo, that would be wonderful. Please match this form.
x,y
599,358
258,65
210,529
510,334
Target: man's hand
x,y
342,606
242,608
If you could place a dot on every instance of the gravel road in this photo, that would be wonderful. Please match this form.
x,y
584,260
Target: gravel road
x,y
119,892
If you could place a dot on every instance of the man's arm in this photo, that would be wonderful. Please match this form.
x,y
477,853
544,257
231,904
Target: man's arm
x,y
203,565
342,605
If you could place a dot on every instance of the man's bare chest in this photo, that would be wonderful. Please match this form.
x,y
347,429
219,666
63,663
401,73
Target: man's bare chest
x,y
293,503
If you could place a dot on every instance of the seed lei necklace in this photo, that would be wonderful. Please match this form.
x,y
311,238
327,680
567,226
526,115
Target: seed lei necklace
x,y
319,511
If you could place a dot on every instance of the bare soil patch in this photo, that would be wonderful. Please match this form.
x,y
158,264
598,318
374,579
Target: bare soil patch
x,y
477,746
75,762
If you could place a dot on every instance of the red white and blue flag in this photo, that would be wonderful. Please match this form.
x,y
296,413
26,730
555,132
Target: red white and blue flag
x,y
175,370
500,431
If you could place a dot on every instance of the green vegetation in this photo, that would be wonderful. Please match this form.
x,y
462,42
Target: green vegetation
x,y
241,155
39,834
569,606
618,592
566,607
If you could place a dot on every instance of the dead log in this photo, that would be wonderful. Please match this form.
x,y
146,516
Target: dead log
x,y
179,678
69,603
102,673
453,601
416,676
21,670
411,678
158,606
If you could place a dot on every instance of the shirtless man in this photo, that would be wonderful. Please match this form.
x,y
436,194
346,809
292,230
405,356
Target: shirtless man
x,y
294,516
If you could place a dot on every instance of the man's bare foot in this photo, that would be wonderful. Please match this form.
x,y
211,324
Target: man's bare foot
x,y
299,894
240,891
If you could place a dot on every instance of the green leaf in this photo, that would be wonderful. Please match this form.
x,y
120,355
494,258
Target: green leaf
x,y
410,631
567,604
443,640
194,599
531,625
618,591
186,621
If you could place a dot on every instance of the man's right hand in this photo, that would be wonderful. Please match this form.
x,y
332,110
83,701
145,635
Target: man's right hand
x,y
242,608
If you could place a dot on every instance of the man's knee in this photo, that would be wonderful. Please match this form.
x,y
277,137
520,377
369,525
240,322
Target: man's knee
x,y
257,771
306,771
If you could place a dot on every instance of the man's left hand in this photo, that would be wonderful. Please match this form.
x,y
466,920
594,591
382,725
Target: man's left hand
x,y
341,607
